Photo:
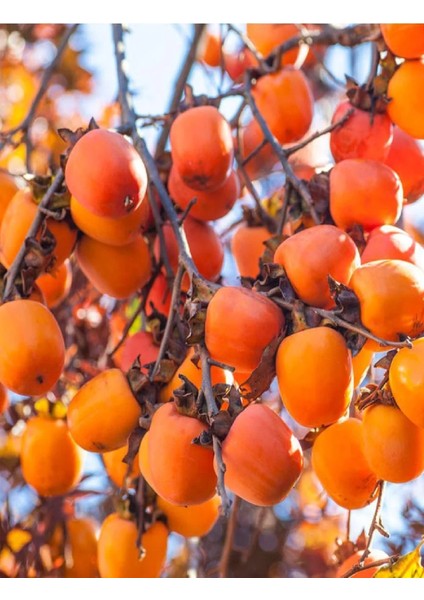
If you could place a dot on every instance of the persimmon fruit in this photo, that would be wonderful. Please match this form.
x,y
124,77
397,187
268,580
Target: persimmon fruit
x,y
404,39
406,379
406,93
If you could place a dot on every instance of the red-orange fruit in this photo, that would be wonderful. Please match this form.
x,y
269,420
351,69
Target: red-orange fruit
x,y
8,189
353,560
406,379
406,93
140,345
236,63
182,472
391,242
118,271
340,462
404,39
81,550
159,296
364,192
202,147
263,459
110,230
210,49
16,223
315,377
143,460
263,161
4,399
308,257
106,174
247,246
32,350
103,412
55,286
118,470
285,101
361,363
210,205
205,247
406,158
240,324
267,36
118,554
394,446
51,462
363,135
191,521
391,298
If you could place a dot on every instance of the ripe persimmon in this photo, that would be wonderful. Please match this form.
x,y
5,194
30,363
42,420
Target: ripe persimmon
x,y
55,286
406,379
118,271
159,296
361,363
106,174
210,49
394,446
80,551
404,39
236,63
210,205
391,298
363,135
191,521
51,462
247,246
8,188
308,257
16,223
240,324
110,230
364,192
4,399
144,461
406,158
263,161
267,36
340,462
285,101
103,412
406,93
118,470
141,345
181,472
202,147
354,559
391,242
315,392
32,350
118,555
262,457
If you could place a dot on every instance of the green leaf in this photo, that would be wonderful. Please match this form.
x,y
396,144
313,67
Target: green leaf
x,y
408,566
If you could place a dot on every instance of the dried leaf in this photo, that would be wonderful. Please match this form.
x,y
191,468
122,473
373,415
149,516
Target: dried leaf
x,y
134,442
261,378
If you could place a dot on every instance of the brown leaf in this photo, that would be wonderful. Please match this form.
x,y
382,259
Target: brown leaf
x,y
261,378
134,442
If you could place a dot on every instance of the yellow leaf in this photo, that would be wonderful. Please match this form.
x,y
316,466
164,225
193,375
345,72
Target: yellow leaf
x,y
42,407
408,566
17,539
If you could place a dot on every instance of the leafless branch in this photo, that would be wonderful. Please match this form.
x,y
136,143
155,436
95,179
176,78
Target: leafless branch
x,y
229,539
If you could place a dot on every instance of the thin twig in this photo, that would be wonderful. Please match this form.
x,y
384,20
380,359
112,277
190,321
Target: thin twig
x,y
375,563
162,243
285,207
375,61
224,563
348,522
247,43
255,151
376,524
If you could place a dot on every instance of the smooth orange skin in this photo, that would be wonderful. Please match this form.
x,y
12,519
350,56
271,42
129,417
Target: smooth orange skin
x,y
315,392
205,247
118,555
340,463
103,412
285,101
406,379
267,36
118,271
391,242
202,147
361,362
210,49
4,399
240,324
308,257
263,459
236,63
391,298
406,158
16,223
182,472
138,345
193,373
109,230
191,521
394,446
262,163
404,39
8,189
32,350
104,171
55,286
210,205
353,560
247,246
406,90
362,136
81,556
160,296
51,461
364,192
116,469
144,462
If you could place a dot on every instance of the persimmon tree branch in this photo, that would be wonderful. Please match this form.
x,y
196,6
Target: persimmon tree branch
x,y
376,524
16,266
224,563
376,563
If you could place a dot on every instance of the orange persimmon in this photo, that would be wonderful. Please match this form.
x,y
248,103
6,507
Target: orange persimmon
x,y
406,93
391,242
247,246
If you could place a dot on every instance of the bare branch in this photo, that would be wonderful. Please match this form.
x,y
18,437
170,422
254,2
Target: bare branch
x,y
229,539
